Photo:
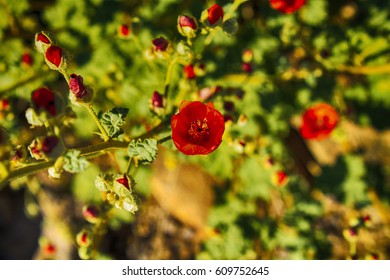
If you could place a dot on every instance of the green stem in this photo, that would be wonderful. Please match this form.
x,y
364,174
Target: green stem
x,y
66,75
85,152
96,119
165,139
168,77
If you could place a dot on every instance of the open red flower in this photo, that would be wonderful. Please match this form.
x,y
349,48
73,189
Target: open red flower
x,y
287,6
319,121
198,128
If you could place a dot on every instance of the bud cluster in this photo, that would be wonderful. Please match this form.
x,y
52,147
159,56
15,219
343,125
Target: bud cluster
x,y
55,56
118,190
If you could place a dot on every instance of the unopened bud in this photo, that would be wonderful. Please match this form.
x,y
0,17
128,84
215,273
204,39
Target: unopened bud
x,y
160,44
83,238
124,31
43,40
187,26
91,213
56,58
79,93
157,103
27,59
213,16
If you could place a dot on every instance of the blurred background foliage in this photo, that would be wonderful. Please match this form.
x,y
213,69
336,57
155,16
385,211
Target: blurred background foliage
x,y
335,204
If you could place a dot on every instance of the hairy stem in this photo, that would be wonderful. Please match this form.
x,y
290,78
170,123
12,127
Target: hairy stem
x,y
95,118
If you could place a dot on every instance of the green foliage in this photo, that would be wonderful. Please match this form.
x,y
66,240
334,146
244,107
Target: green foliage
x,y
73,163
113,120
144,151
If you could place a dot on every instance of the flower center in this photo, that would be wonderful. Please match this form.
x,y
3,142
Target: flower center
x,y
199,130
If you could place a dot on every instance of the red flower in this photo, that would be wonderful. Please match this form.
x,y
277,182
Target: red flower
x,y
54,55
44,98
319,121
287,6
215,14
198,128
189,71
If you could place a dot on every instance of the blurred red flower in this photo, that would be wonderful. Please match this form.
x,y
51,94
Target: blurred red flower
x,y
215,14
280,178
198,128
189,71
287,6
319,121
44,98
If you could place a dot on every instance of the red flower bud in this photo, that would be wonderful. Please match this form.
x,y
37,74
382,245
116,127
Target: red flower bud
x,y
198,128
247,67
160,44
187,26
189,72
43,40
280,178
124,31
76,86
55,57
83,238
44,98
27,59
215,15
91,213
4,105
319,121
287,6
124,181
79,93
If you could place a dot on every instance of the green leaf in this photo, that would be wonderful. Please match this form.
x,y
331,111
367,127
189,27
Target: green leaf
x,y
144,151
73,163
113,120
